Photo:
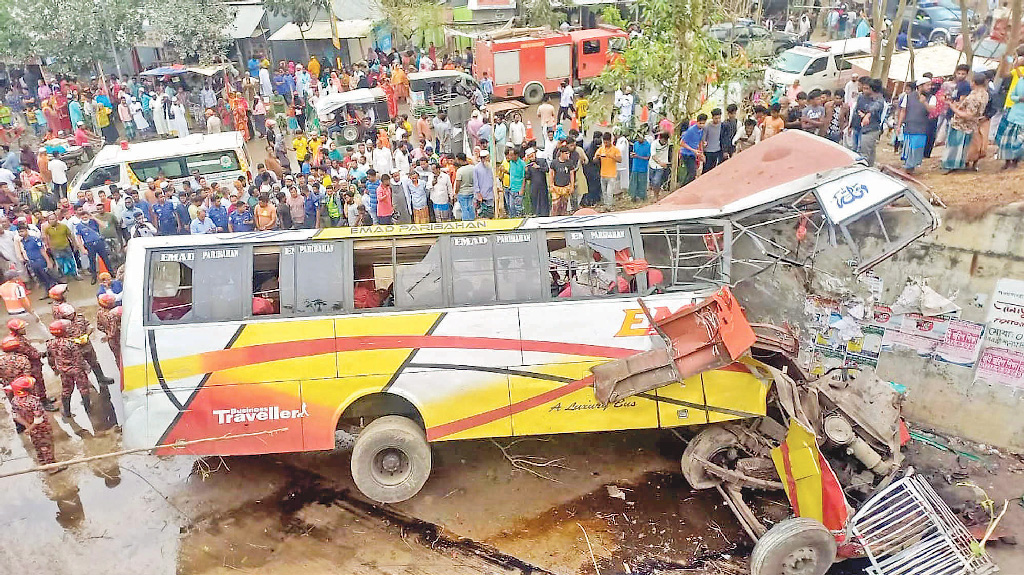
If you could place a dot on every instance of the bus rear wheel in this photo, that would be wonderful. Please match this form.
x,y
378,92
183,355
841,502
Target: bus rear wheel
x,y
797,546
391,459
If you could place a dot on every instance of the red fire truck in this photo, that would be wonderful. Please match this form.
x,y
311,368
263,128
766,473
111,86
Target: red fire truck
x,y
529,63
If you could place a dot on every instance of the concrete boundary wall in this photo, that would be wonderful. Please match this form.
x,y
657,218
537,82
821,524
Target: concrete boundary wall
x,y
961,260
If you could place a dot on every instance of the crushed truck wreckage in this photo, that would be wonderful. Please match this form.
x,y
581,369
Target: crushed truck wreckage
x,y
832,444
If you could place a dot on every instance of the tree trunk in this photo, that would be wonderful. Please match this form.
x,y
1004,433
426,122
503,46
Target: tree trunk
x,y
1014,39
117,59
965,35
877,23
910,48
891,44
305,45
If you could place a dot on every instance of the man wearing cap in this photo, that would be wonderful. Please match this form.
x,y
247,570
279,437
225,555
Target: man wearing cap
x,y
16,297
913,117
17,328
483,186
65,358
28,413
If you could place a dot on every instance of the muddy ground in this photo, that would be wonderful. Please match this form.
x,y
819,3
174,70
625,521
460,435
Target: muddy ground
x,y
618,496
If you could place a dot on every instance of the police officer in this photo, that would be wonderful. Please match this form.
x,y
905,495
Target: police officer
x,y
79,332
65,357
108,320
18,328
28,412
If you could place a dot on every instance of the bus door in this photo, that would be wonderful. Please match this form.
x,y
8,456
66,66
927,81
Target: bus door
x,y
215,371
579,326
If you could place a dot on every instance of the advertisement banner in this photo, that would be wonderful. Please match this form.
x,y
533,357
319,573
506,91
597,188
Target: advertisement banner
x,y
1001,366
961,344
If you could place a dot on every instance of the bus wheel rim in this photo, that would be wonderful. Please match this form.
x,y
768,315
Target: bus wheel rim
x,y
391,466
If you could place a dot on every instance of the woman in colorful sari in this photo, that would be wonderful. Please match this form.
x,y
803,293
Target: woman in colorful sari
x,y
389,91
400,82
224,114
238,114
962,128
51,118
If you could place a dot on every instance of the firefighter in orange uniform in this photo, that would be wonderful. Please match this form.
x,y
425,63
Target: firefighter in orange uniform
x,y
65,357
28,412
108,320
80,331
18,327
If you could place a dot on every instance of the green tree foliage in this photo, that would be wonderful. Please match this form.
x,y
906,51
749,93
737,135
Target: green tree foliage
x,y
302,13
543,13
412,17
196,28
674,57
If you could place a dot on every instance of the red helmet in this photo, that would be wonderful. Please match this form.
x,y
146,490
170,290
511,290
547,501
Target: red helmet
x,y
63,311
118,311
16,324
58,291
22,385
60,327
107,300
10,343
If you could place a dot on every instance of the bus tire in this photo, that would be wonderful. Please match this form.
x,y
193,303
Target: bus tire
x,y
391,459
798,545
533,93
705,445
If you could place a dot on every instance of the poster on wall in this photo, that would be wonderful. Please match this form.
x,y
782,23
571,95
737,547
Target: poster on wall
x,y
1005,316
864,351
1001,366
961,343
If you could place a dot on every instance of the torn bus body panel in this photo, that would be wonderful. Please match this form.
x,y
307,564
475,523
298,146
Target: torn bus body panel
x,y
707,335
794,200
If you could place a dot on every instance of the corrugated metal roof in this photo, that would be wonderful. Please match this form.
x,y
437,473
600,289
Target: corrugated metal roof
x,y
322,30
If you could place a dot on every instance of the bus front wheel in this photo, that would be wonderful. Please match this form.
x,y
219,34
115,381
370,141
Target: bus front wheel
x,y
533,93
797,546
391,459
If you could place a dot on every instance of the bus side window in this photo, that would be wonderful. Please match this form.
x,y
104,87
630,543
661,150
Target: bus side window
x,y
170,286
220,283
373,273
591,263
518,267
418,273
266,280
318,278
472,270
680,256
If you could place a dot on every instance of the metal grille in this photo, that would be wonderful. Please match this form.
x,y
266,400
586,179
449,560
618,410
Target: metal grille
x,y
907,529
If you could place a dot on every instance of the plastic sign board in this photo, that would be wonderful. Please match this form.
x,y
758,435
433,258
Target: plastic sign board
x,y
850,196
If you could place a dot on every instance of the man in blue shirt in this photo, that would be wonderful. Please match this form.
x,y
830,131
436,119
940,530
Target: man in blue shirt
x,y
219,215
202,224
691,144
253,66
241,219
640,158
181,211
165,215
868,115
35,255
311,207
130,209
90,240
483,186
370,197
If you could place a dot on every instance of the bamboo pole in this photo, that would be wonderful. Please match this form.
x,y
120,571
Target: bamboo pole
x,y
175,445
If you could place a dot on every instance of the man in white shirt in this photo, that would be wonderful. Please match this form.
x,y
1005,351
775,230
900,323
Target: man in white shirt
x,y
382,160
565,99
517,131
58,175
207,97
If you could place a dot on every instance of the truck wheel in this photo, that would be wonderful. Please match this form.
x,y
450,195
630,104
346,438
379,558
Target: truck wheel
x,y
391,459
798,546
533,93
712,445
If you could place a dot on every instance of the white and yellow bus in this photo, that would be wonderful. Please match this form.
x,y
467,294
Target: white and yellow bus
x,y
436,332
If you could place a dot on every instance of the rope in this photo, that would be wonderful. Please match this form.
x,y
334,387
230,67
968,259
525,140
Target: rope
x,y
175,445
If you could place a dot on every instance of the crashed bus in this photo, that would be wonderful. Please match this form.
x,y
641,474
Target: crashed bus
x,y
404,335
